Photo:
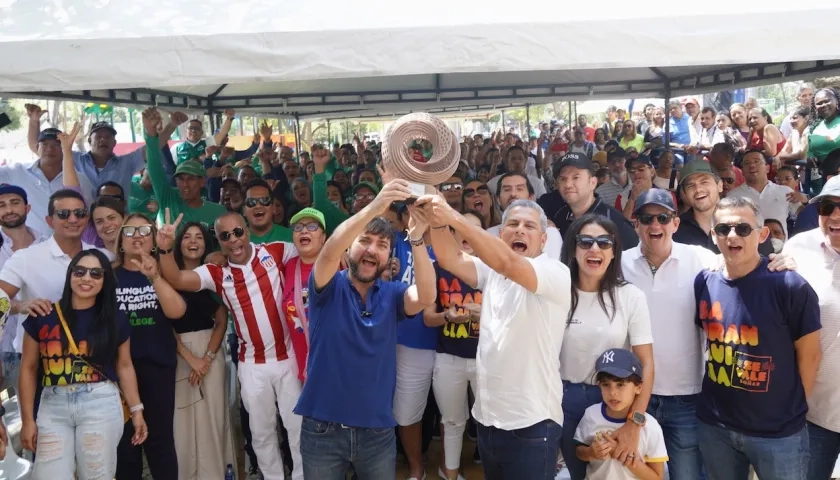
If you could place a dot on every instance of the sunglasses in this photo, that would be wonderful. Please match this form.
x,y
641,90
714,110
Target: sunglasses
x,y
604,242
827,207
96,273
741,229
131,231
647,218
481,190
64,213
237,232
447,187
727,180
364,196
252,202
311,226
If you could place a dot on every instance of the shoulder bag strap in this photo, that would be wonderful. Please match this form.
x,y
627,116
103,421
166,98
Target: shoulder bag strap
x,y
72,343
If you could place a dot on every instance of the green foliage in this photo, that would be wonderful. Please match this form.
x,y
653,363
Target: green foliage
x,y
15,114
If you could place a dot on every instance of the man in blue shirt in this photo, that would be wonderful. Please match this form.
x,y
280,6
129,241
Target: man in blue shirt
x,y
679,125
763,351
347,399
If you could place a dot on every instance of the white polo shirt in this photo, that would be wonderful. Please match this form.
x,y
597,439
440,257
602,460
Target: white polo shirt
x,y
39,272
7,338
38,190
772,201
678,345
819,264
553,241
518,360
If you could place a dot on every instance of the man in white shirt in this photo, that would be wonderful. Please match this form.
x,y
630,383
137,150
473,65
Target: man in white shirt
x,y
15,235
515,186
775,201
516,161
519,393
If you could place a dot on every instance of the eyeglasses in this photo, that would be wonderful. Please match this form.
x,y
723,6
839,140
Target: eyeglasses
x,y
604,242
827,207
741,229
446,187
481,190
647,218
131,231
252,202
311,226
65,213
237,232
727,180
96,273
364,196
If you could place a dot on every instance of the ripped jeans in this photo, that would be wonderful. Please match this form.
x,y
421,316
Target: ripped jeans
x,y
79,427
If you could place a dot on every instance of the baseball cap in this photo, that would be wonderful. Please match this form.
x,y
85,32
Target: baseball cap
x,y
309,212
573,159
48,134
696,166
6,188
641,159
830,189
619,362
190,167
365,184
102,126
655,196
616,154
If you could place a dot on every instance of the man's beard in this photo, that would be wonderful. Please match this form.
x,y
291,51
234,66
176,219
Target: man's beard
x,y
20,220
354,271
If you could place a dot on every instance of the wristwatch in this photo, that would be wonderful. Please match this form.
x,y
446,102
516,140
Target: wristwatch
x,y
638,418
210,354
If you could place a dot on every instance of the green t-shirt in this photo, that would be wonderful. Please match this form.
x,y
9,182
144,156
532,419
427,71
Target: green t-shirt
x,y
138,198
824,139
278,233
185,151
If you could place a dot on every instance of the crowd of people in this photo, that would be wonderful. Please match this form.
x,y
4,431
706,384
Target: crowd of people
x,y
608,296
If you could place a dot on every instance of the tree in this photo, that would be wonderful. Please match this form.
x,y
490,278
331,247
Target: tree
x,y
15,114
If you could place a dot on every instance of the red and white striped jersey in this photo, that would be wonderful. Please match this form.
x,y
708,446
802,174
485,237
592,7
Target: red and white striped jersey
x,y
253,293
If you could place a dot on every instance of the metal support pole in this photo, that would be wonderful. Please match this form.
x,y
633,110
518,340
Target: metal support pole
x,y
527,121
570,114
297,136
666,142
212,122
504,125
329,136
131,124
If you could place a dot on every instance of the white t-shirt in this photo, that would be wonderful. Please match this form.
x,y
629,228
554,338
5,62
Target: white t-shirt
x,y
553,241
594,421
592,332
518,360
670,300
772,201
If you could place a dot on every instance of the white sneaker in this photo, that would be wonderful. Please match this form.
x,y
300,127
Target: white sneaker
x,y
415,478
441,474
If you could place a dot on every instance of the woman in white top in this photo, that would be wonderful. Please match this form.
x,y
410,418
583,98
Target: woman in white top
x,y
606,312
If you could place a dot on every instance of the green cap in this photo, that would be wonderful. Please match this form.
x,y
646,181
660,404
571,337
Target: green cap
x,y
309,213
696,166
366,184
191,167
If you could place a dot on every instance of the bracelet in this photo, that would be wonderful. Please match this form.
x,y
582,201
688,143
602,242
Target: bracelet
x,y
153,278
162,251
210,354
440,227
137,408
416,243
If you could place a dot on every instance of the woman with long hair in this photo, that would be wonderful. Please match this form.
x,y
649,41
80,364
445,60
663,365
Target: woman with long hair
x,y
764,136
740,123
477,197
654,132
107,215
80,418
599,139
458,310
666,176
606,312
203,436
629,137
150,302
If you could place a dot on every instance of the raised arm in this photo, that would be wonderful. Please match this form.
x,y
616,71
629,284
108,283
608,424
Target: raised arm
x,y
34,113
229,113
448,253
70,177
328,261
183,280
424,291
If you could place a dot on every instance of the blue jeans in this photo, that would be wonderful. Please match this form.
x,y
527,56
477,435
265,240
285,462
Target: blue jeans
x,y
825,448
577,397
728,454
529,452
677,415
329,449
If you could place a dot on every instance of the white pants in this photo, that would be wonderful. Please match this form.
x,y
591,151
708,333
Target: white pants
x,y
452,376
265,388
414,378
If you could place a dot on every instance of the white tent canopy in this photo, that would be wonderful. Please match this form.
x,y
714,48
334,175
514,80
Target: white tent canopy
x,y
338,59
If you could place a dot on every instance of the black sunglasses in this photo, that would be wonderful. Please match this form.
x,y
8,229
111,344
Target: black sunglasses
x,y
605,242
96,273
647,218
311,226
741,229
827,207
728,181
252,202
142,230
237,232
481,189
64,213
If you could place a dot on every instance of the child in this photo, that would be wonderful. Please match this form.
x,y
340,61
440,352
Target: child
x,y
619,374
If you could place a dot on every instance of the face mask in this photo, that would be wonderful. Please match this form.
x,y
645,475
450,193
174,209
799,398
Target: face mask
x,y
777,244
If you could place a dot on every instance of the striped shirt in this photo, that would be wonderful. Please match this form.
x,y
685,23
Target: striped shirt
x,y
253,292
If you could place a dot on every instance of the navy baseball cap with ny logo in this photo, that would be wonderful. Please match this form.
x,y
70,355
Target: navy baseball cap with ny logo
x,y
619,362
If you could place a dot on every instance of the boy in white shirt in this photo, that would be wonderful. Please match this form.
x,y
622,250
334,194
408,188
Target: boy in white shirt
x,y
619,374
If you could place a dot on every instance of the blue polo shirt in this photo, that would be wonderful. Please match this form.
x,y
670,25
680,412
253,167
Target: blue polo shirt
x,y
351,370
679,129
119,169
412,333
